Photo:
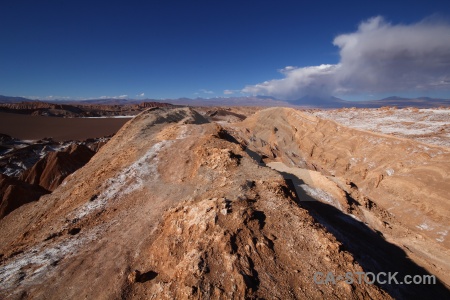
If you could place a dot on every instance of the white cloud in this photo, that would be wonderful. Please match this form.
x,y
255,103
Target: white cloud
x,y
378,57
384,57
298,82
140,95
114,97
204,91
52,97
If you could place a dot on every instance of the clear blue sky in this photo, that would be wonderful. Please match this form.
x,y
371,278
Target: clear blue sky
x,y
170,49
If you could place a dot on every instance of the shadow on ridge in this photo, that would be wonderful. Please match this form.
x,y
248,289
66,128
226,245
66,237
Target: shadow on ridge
x,y
372,252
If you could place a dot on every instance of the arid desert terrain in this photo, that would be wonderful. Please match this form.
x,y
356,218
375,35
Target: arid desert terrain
x,y
227,203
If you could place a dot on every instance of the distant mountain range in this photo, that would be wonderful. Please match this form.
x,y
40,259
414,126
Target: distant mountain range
x,y
7,99
306,101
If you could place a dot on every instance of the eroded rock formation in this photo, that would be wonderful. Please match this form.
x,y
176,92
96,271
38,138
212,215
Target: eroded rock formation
x,y
174,206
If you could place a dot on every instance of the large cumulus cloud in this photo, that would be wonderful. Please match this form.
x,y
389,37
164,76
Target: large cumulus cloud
x,y
378,58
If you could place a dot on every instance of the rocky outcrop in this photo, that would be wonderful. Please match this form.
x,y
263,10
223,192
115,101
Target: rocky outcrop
x,y
224,115
51,170
41,165
220,248
145,105
16,155
15,193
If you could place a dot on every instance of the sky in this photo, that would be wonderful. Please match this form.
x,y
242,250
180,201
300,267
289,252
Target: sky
x,y
160,49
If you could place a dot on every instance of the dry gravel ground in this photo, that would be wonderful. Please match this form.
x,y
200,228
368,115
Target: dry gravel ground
x,y
174,206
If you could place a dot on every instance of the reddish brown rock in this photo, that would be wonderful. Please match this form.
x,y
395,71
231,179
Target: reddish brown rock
x,y
14,193
50,171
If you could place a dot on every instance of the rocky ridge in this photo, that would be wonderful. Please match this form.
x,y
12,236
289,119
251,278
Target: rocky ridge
x,y
174,206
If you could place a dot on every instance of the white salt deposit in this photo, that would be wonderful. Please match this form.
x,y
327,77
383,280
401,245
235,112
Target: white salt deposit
x,y
127,181
442,235
429,126
27,267
182,134
390,172
425,226
321,195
